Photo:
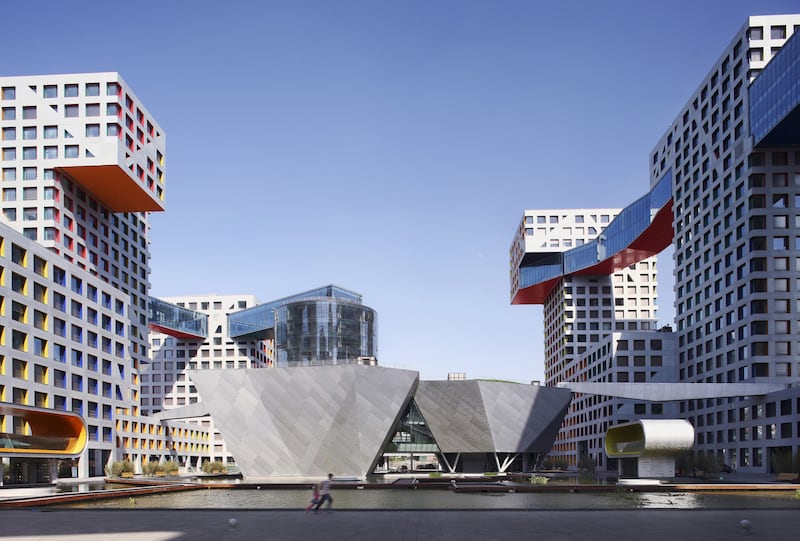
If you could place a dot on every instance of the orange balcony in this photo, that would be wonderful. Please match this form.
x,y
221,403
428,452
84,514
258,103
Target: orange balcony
x,y
115,188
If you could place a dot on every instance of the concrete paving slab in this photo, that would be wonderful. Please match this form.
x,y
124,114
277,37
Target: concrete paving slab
x,y
423,525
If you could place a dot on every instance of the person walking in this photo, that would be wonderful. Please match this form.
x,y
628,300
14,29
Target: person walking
x,y
325,493
314,496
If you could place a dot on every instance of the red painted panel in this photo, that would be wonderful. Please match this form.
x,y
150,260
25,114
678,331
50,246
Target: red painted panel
x,y
174,332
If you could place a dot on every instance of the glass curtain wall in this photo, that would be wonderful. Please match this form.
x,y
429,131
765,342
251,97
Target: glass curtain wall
x,y
324,331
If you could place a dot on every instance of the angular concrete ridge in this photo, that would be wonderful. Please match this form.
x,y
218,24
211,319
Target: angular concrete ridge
x,y
306,421
491,417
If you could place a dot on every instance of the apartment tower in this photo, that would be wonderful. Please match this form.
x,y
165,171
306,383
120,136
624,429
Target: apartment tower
x,y
732,154
82,166
725,191
600,323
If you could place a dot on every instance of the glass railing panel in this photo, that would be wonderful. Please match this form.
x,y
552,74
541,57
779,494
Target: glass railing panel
x,y
581,257
629,224
662,191
529,276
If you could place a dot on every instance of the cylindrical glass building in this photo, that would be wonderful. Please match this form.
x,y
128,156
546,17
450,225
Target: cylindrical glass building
x,y
324,330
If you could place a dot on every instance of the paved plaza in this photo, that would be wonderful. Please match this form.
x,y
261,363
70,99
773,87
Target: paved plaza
x,y
200,525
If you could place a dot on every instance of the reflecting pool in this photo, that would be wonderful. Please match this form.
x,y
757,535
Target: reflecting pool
x,y
444,499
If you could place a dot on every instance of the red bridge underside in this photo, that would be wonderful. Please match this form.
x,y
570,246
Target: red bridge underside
x,y
173,332
653,240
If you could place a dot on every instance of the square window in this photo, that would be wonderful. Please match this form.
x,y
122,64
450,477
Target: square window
x,y
29,112
9,194
9,173
777,32
50,91
50,132
29,132
93,130
29,153
29,173
51,152
92,109
10,154
71,90
71,111
92,89
9,134
71,151
9,93
9,113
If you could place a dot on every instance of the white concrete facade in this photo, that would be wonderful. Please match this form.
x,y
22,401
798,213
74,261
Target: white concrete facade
x,y
737,255
587,318
165,383
82,165
628,356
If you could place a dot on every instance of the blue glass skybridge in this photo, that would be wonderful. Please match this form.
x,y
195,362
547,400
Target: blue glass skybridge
x,y
775,99
173,320
641,230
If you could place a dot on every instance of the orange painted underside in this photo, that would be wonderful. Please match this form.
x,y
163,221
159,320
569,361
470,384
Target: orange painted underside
x,y
653,240
48,424
114,188
173,332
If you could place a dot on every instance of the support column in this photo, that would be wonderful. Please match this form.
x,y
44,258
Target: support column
x,y
83,464
451,468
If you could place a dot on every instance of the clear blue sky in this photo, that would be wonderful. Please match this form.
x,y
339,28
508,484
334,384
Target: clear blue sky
x,y
387,147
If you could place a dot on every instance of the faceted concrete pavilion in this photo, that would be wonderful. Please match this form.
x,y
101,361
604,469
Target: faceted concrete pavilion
x,y
309,421
305,421
473,419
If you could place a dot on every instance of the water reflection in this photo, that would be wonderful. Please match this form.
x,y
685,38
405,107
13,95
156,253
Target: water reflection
x,y
444,499
87,487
